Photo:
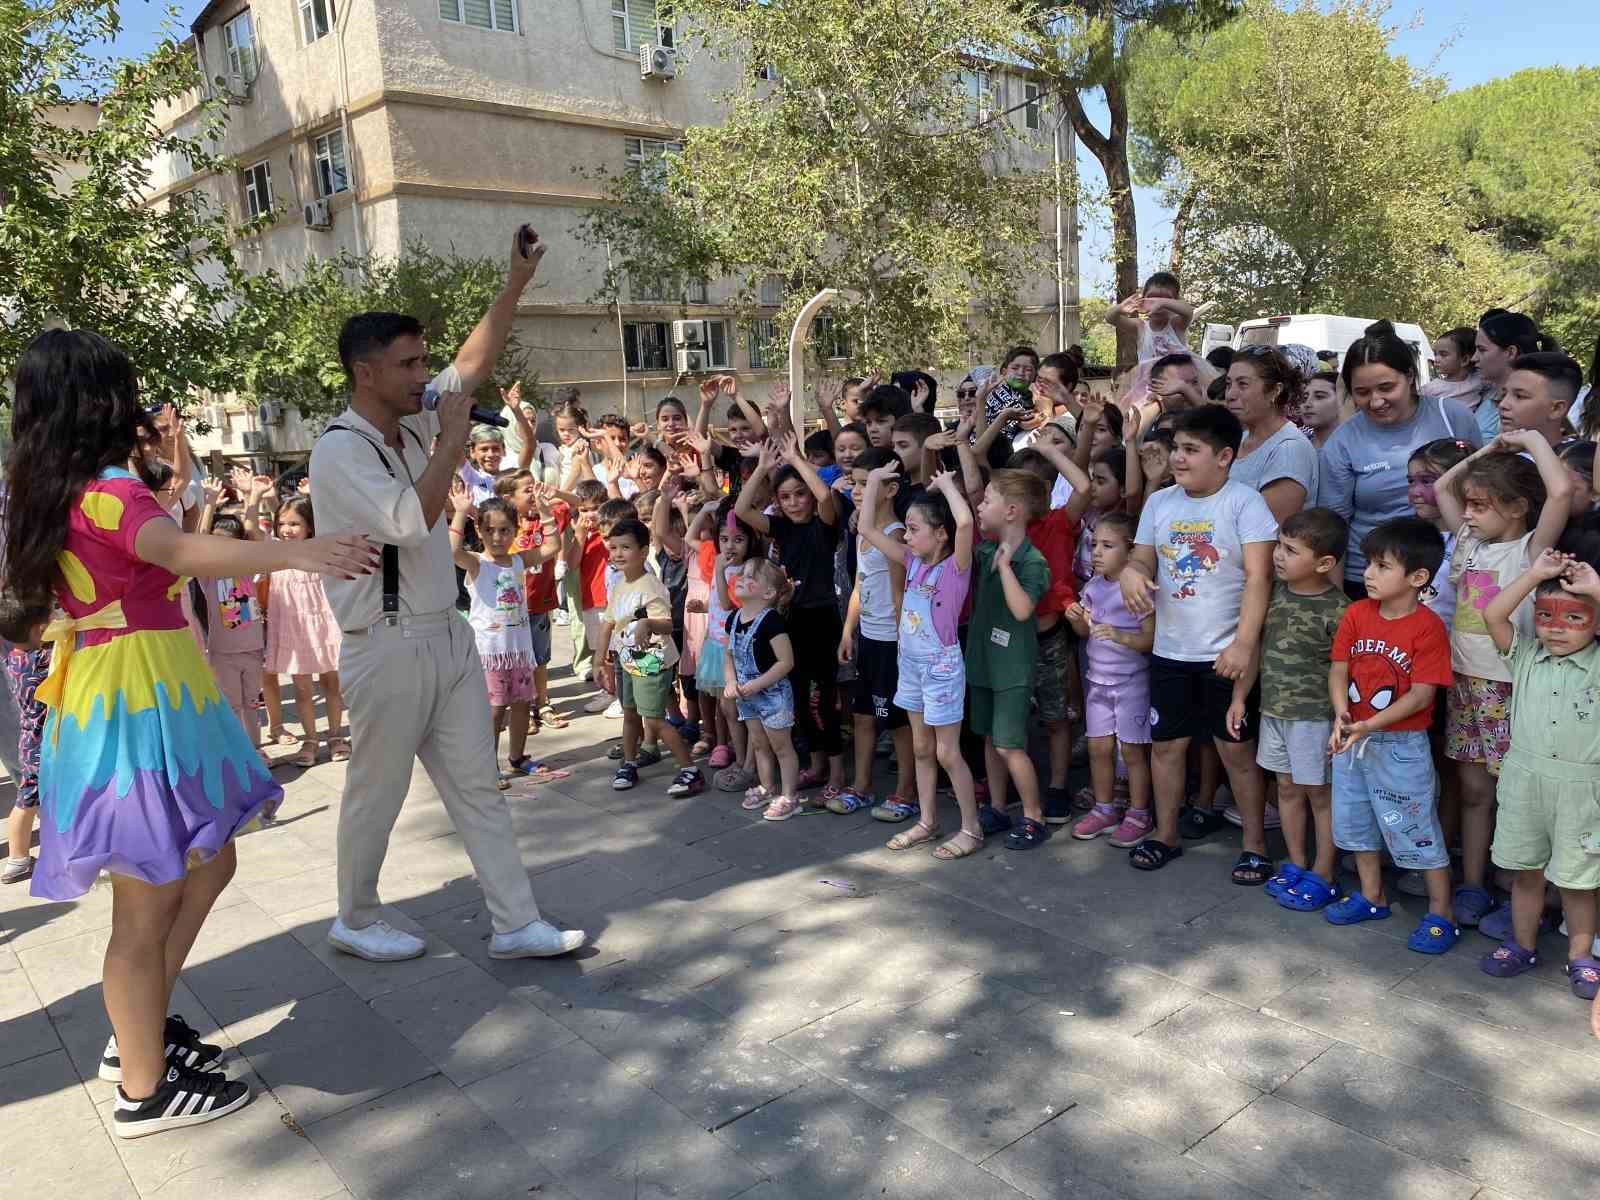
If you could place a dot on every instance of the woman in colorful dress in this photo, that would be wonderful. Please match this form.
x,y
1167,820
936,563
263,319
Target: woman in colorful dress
x,y
144,773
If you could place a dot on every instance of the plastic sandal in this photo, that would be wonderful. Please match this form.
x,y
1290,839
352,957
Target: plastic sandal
x,y
1195,823
549,716
1029,835
1354,909
1152,855
700,749
1252,870
734,779
1508,960
1310,893
308,754
339,749
755,798
1584,974
992,820
781,809
809,778
721,758
1433,935
914,836
847,801
894,809
1471,904
1288,875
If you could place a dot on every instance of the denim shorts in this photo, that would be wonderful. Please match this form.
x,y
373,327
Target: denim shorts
x,y
1385,794
773,706
935,687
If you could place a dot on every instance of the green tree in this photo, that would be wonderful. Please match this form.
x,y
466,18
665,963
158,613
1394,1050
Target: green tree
x,y
1526,149
869,164
1291,147
78,133
285,327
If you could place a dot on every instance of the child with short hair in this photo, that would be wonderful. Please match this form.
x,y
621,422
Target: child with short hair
x,y
1296,720
756,673
1003,647
1203,564
1506,510
819,453
848,445
910,432
873,612
542,525
637,627
1547,827
1390,655
1116,687
486,448
586,579
883,406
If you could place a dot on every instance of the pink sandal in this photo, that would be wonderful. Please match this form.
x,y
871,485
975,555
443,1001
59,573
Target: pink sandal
x,y
720,758
781,809
809,778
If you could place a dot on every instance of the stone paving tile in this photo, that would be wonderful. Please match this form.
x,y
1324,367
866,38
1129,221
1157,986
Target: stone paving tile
x,y
327,1053
1252,1047
1485,1139
1287,1153
469,1025
426,1141
57,1146
686,1166
25,1029
1521,1005
820,1140
1087,1157
245,963
309,926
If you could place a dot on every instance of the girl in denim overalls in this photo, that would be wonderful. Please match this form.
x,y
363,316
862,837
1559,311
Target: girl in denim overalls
x,y
761,689
937,556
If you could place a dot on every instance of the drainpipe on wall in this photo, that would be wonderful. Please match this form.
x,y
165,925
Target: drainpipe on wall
x,y
622,340
339,19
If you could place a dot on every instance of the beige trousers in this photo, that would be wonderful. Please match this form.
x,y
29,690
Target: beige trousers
x,y
415,691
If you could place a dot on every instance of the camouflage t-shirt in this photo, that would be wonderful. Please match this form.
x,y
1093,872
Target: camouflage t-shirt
x,y
1294,653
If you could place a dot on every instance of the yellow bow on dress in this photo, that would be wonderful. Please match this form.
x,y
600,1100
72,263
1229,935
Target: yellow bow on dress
x,y
62,634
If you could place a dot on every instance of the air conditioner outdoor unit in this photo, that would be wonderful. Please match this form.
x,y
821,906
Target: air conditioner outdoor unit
x,y
318,216
693,362
235,89
270,413
657,62
254,441
689,335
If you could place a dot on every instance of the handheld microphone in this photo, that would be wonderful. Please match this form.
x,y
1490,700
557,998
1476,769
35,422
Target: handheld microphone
x,y
480,416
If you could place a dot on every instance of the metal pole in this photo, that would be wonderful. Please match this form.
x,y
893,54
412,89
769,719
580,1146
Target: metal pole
x,y
1061,285
622,340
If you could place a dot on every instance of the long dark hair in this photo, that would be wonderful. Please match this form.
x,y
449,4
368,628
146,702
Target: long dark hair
x,y
76,413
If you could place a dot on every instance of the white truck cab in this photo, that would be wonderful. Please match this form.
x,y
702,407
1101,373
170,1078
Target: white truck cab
x,y
1320,331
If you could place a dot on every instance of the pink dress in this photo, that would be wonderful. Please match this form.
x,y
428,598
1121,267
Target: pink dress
x,y
302,634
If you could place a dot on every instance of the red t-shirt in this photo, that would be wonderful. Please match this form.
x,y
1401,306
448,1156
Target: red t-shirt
x,y
1388,657
540,581
1055,535
592,572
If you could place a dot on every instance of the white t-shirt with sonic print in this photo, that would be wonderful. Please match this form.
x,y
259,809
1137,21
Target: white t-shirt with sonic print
x,y
1199,543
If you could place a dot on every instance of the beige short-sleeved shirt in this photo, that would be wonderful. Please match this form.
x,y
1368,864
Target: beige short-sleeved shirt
x,y
351,490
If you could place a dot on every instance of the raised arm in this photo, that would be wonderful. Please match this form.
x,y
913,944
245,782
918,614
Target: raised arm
x,y
945,482
476,358
462,510
512,398
1124,314
1550,564
742,507
661,518
1557,487
791,449
867,527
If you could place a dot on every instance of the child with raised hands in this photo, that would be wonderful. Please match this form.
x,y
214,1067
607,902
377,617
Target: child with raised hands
x,y
1506,508
872,612
1549,824
806,531
732,543
936,556
498,611
756,673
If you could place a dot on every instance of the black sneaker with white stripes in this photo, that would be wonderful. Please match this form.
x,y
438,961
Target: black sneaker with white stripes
x,y
183,1048
184,1097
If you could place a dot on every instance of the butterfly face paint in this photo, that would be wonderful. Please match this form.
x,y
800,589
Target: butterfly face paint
x,y
1565,624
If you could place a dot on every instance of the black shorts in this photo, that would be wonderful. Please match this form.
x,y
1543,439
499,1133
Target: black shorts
x,y
877,680
1190,700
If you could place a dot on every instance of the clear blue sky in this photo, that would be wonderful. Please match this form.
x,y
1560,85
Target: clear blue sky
x,y
1468,41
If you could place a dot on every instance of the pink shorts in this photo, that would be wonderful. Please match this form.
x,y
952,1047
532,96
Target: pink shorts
x,y
1478,721
509,685
239,680
1121,708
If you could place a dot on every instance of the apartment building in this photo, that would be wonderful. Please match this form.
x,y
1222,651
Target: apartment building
x,y
371,124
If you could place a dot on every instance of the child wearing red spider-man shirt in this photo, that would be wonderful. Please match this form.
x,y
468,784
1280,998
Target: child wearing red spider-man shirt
x,y
1389,658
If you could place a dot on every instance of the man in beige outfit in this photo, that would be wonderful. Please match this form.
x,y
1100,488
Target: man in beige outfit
x,y
408,667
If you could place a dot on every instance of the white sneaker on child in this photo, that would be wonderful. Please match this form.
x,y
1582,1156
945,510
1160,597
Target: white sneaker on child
x,y
599,704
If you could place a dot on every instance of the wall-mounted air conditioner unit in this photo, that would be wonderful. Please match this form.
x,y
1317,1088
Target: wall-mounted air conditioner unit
x,y
270,413
254,441
689,335
657,62
692,362
318,215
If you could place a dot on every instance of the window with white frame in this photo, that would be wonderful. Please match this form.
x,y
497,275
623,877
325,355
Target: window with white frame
x,y
765,350
498,15
239,41
636,23
329,170
316,19
978,88
257,181
645,345
718,349
646,154
1030,107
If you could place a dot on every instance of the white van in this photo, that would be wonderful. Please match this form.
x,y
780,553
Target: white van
x,y
1320,331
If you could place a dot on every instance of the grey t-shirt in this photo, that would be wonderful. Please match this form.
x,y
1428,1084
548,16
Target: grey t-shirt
x,y
1287,454
1364,467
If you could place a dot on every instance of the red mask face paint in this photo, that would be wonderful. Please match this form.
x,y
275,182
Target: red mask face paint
x,y
1563,614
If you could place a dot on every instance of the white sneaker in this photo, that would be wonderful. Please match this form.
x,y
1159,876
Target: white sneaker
x,y
537,939
614,710
599,704
378,942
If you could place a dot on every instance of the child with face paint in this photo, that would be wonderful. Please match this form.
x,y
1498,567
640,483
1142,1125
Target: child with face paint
x,y
1549,825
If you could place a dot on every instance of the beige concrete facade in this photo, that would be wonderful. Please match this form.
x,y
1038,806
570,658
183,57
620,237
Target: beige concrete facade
x,y
453,133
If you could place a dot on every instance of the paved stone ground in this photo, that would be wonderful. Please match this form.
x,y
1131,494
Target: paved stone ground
x,y
1040,1025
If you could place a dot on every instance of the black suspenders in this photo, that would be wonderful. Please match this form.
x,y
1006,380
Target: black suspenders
x,y
391,554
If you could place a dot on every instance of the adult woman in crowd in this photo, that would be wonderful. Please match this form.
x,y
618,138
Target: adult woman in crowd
x,y
1501,337
1363,469
1275,458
